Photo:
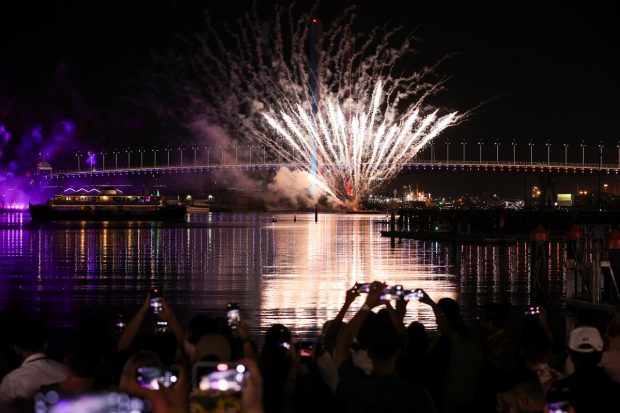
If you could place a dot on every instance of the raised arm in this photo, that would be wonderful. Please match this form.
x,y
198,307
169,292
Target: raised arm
x,y
167,314
134,325
332,331
345,339
443,324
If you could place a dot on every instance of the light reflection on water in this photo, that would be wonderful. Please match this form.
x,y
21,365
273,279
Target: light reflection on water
x,y
289,272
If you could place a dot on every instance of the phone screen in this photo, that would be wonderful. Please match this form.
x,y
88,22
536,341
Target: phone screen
x,y
156,303
305,350
219,376
232,314
559,407
154,378
391,293
413,295
105,402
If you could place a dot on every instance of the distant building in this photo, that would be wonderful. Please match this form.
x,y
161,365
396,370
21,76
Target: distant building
x,y
44,168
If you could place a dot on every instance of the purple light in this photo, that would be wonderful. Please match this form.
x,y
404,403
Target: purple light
x,y
91,159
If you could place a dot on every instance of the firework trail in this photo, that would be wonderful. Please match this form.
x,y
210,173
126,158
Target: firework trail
x,y
254,81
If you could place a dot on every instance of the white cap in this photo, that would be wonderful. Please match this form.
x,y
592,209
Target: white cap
x,y
585,339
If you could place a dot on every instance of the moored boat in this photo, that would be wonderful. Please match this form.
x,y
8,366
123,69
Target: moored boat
x,y
106,204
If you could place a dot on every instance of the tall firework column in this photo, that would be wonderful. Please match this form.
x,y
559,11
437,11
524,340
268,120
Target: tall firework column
x,y
345,116
315,29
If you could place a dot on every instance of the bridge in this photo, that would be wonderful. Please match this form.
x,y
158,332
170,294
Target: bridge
x,y
555,168
208,160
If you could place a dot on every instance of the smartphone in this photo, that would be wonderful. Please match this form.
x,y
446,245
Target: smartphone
x,y
305,349
390,293
120,323
155,378
285,345
232,314
532,310
226,377
105,402
413,294
559,406
161,327
363,288
156,303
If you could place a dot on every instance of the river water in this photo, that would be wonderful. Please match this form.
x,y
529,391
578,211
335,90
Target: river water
x,y
293,271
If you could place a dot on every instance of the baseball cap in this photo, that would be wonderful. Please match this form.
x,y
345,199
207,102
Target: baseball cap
x,y
585,339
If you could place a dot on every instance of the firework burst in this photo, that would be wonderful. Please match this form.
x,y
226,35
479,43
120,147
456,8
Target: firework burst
x,y
341,114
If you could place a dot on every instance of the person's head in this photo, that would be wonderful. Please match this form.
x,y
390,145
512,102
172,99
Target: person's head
x,y
383,341
453,313
82,362
534,344
277,338
521,392
275,360
163,344
418,340
586,347
29,337
201,325
212,347
494,316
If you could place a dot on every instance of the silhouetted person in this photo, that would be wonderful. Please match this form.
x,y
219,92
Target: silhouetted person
x,y
383,390
589,388
30,343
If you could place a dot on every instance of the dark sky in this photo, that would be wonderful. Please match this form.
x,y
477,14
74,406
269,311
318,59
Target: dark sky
x,y
551,68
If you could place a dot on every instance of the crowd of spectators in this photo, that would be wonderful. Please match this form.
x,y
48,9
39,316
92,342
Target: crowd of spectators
x,y
372,362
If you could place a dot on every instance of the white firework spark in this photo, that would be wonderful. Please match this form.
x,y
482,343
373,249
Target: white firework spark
x,y
358,124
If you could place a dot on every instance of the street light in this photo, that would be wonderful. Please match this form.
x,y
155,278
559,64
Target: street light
x,y
181,152
154,157
548,144
531,152
78,161
102,160
583,153
497,150
447,151
566,153
480,143
250,154
514,151
194,148
600,166
115,158
168,156
128,151
141,151
464,145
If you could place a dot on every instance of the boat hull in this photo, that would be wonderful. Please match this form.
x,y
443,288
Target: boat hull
x,y
162,213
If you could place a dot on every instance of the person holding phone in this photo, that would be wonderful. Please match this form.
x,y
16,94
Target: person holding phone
x,y
383,389
165,398
164,313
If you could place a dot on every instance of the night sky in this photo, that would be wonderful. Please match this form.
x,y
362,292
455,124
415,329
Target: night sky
x,y
545,71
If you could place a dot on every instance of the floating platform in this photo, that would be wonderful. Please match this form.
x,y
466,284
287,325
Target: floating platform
x,y
450,237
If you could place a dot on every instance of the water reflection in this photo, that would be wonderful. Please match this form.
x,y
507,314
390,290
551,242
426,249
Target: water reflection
x,y
289,272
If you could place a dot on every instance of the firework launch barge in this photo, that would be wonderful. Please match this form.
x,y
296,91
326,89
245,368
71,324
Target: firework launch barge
x,y
107,205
